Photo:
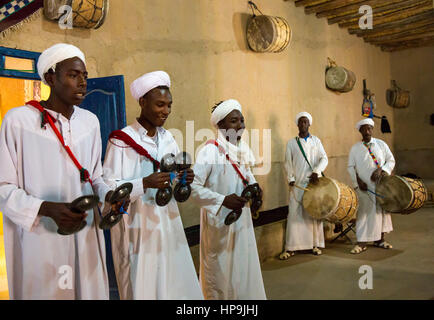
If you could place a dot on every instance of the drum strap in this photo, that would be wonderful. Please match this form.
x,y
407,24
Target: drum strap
x,y
222,150
121,135
302,151
46,117
372,154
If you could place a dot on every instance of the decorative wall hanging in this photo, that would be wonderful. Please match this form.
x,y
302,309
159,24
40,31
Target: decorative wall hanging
x,y
13,14
89,14
338,78
267,33
368,106
396,97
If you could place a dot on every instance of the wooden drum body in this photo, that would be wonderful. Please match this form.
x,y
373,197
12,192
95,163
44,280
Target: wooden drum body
x,y
340,79
89,14
398,98
331,200
268,34
401,194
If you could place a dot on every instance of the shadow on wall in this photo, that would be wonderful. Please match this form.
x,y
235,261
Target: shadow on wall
x,y
240,22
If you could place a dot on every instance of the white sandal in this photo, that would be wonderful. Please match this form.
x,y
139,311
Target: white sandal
x,y
285,255
383,244
358,249
316,251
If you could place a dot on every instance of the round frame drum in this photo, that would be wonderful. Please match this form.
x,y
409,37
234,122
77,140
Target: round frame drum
x,y
401,194
331,200
268,34
340,79
89,14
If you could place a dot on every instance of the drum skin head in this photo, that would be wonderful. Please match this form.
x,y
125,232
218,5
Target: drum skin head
x,y
397,193
321,199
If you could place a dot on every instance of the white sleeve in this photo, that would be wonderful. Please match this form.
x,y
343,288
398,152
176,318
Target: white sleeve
x,y
112,171
352,167
203,196
389,160
323,160
20,207
289,168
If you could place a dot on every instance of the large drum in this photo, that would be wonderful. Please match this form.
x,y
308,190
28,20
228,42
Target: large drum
x,y
268,34
89,14
331,200
340,79
396,97
401,194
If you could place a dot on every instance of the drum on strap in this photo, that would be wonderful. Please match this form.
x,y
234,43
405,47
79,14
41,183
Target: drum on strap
x,y
89,14
396,97
338,78
330,200
399,194
268,34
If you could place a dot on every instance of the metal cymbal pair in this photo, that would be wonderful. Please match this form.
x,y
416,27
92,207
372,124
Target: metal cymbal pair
x,y
121,193
251,193
182,190
80,205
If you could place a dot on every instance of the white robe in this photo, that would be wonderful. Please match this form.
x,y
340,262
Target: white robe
x,y
302,231
371,219
151,255
229,261
35,168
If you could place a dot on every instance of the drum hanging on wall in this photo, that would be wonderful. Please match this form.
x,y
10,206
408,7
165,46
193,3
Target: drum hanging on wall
x,y
89,14
268,34
339,78
396,97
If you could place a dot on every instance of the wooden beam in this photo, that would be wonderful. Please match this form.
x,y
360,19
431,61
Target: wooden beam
x,y
400,29
309,2
429,41
378,11
406,39
353,8
424,6
329,5
402,35
425,16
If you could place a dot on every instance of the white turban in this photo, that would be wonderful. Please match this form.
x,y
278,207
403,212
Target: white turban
x,y
147,82
363,122
55,54
223,109
303,114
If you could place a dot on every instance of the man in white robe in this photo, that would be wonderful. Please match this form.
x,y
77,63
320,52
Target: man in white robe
x,y
229,261
37,181
302,231
372,222
151,255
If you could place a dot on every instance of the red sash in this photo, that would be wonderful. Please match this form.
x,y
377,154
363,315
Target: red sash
x,y
121,135
223,151
46,117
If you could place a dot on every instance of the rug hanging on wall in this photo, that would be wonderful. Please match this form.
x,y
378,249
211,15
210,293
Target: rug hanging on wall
x,y
13,14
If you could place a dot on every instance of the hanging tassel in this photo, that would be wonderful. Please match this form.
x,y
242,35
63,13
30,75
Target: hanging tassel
x,y
385,127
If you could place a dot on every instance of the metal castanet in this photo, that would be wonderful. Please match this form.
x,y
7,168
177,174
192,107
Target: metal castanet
x,y
89,14
121,193
268,34
182,190
396,97
164,195
251,193
401,194
79,205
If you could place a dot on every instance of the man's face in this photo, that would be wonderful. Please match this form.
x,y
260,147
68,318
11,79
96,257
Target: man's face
x,y
366,131
69,82
234,126
156,106
303,124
